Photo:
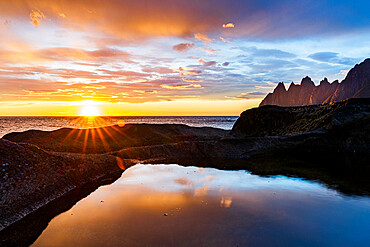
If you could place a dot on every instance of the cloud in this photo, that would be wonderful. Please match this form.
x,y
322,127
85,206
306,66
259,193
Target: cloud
x,y
7,22
36,17
257,52
271,65
332,57
182,87
182,47
203,37
64,53
343,72
249,95
207,64
22,55
271,20
159,70
323,56
182,71
225,40
191,80
228,25
208,50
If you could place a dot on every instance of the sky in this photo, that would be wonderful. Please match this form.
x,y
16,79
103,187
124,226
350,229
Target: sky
x,y
170,57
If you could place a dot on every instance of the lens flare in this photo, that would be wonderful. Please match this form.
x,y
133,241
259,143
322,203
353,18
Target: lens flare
x,y
121,123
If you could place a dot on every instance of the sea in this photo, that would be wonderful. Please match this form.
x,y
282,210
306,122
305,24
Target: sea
x,y
19,124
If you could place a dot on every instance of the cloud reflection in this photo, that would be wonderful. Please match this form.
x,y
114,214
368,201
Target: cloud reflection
x,y
233,208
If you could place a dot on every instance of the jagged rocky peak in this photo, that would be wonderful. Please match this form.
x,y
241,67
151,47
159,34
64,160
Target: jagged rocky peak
x,y
360,71
307,82
324,82
336,82
355,85
280,87
292,85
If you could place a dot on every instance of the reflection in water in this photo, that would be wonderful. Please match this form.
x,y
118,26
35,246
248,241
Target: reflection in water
x,y
170,205
226,202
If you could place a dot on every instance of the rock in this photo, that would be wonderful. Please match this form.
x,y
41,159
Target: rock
x,y
276,120
46,177
114,138
355,85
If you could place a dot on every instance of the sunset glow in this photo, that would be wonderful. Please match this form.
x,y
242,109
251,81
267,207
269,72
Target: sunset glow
x,y
90,111
165,57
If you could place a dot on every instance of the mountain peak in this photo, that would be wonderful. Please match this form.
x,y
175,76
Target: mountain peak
x,y
292,85
307,82
355,85
280,87
324,82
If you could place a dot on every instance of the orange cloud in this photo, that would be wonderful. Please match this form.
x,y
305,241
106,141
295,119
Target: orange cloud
x,y
36,17
202,37
133,20
80,54
228,25
182,47
125,18
208,50
29,55
182,87
187,72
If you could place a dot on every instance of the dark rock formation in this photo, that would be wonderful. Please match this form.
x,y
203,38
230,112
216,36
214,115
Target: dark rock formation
x,y
338,132
276,120
355,85
323,92
113,138
31,178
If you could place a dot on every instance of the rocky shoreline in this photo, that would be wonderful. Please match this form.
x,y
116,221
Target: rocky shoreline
x,y
329,142
32,177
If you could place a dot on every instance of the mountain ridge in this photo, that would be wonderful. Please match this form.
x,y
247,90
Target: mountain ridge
x,y
355,85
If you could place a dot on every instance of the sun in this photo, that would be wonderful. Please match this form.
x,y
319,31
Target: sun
x,y
90,111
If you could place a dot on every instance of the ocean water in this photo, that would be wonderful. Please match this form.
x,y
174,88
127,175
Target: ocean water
x,y
17,124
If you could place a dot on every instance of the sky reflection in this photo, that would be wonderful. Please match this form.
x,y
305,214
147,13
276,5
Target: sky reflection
x,y
209,207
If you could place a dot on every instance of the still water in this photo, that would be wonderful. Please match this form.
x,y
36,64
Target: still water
x,y
171,205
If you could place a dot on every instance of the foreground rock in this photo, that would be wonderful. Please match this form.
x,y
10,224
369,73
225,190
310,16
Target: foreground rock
x,y
31,178
113,138
355,85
